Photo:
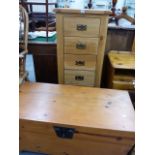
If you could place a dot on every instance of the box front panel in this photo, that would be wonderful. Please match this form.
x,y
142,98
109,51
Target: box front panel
x,y
42,137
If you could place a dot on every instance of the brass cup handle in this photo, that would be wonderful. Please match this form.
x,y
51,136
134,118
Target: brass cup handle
x,y
80,63
79,78
80,46
81,27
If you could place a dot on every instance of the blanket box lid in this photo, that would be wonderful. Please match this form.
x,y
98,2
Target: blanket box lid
x,y
87,110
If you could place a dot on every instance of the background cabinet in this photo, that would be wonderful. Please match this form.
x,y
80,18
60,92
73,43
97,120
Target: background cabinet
x,y
121,73
45,61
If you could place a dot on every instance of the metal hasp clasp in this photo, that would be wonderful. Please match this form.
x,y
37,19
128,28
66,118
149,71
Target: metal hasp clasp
x,y
64,132
81,27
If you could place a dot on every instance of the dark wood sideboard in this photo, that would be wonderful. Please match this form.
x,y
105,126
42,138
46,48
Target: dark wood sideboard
x,y
45,61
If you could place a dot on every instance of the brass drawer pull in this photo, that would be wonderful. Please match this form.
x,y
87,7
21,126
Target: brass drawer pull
x,y
81,27
80,63
80,46
79,78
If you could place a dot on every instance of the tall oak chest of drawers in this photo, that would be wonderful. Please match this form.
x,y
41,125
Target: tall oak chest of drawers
x,y
80,45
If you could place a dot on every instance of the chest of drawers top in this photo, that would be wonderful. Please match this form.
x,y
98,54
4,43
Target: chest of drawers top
x,y
82,11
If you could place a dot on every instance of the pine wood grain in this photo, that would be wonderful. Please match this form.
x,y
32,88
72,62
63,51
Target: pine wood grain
x,y
79,106
103,120
122,60
36,142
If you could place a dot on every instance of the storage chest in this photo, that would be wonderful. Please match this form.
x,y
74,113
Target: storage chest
x,y
73,120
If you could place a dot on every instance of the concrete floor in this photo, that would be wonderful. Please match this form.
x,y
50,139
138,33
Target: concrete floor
x,y
31,153
30,68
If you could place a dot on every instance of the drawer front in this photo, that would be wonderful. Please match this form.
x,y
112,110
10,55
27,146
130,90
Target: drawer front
x,y
79,45
80,62
124,85
85,78
81,26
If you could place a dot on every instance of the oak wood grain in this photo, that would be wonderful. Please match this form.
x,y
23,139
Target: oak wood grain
x,y
80,62
88,29
101,49
92,26
80,77
84,11
91,45
59,28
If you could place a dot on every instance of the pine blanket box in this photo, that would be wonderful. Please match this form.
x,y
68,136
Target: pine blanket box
x,y
74,120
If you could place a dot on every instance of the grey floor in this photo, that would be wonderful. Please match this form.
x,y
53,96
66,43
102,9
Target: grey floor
x,y
30,68
30,153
